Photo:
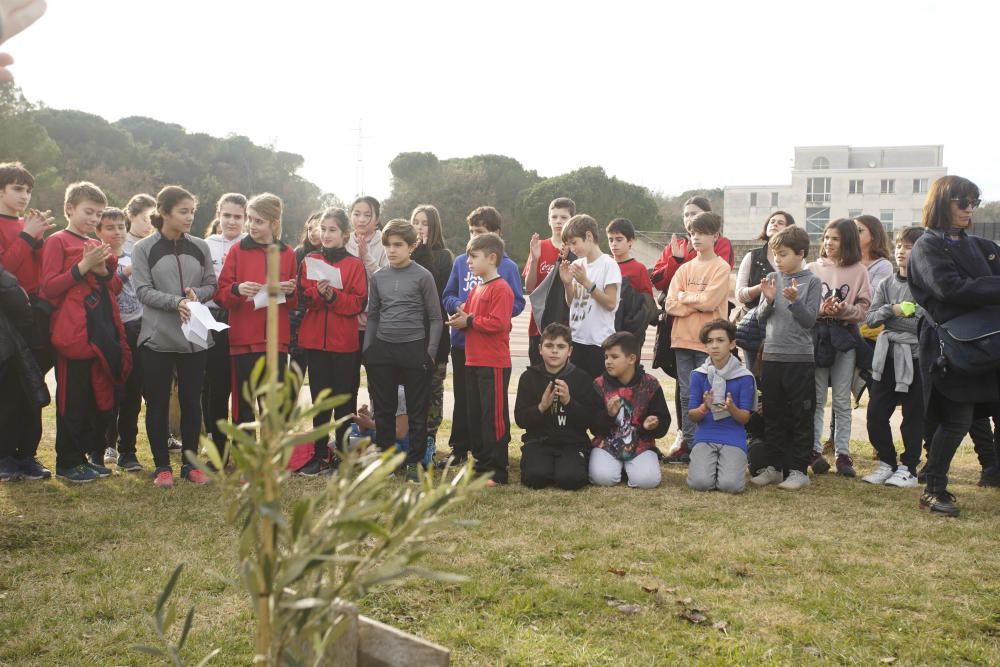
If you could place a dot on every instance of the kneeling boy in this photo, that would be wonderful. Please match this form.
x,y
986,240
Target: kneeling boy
x,y
636,415
556,404
729,395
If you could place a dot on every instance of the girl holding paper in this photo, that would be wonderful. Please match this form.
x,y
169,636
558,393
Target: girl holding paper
x,y
334,286
171,269
242,291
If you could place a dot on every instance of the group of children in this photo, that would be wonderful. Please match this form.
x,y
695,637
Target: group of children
x,y
106,298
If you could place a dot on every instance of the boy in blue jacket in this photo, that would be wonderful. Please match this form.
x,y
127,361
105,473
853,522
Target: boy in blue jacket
x,y
461,281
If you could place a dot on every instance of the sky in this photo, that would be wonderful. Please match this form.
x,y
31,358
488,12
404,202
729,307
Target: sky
x,y
671,96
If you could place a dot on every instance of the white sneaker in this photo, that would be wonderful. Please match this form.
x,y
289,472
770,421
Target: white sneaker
x,y
677,444
902,478
882,473
795,481
769,475
111,455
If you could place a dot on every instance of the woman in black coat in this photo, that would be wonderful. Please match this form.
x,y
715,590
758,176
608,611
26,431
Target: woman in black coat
x,y
951,274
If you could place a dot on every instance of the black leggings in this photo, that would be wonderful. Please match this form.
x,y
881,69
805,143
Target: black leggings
x,y
336,371
158,373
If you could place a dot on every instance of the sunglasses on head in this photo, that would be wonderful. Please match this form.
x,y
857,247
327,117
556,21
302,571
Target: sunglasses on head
x,y
965,202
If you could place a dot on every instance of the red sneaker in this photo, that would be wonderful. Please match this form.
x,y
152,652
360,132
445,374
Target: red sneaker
x,y
164,479
196,476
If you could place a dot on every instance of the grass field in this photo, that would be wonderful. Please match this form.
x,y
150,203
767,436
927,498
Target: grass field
x,y
839,573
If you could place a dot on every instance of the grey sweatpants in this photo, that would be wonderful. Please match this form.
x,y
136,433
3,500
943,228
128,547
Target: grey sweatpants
x,y
643,471
715,466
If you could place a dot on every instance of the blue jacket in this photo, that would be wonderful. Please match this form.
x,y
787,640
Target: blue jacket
x,y
461,282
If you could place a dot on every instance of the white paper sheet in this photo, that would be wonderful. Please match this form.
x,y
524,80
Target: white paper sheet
x,y
317,269
260,301
199,324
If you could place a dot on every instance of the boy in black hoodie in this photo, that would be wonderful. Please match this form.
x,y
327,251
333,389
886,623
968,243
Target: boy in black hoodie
x,y
556,404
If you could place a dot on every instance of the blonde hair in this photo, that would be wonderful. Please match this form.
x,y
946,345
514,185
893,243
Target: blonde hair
x,y
77,193
268,206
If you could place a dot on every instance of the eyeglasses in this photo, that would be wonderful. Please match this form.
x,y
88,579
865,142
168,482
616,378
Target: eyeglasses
x,y
965,202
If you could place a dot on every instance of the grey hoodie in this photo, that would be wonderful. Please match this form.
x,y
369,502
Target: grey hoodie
x,y
162,271
788,326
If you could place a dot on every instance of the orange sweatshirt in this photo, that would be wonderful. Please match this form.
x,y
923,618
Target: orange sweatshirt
x,y
698,294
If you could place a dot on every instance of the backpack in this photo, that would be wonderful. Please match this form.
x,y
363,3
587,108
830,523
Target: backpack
x,y
636,310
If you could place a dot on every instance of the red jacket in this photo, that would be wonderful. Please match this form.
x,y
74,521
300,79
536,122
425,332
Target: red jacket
x,y
332,326
85,322
667,265
20,253
638,276
487,341
247,262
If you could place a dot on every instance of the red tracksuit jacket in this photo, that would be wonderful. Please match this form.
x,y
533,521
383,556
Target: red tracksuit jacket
x,y
247,261
85,322
487,341
20,253
332,326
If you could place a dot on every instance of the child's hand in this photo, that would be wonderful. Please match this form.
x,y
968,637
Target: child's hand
x,y
548,396
101,269
249,289
287,286
460,320
678,246
127,271
579,274
189,293
184,311
535,247
729,403
324,289
768,289
36,223
836,308
565,273
93,255
362,245
650,422
562,391
828,307
363,418
707,400
614,405
791,293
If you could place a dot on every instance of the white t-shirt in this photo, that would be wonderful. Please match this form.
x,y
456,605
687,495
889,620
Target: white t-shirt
x,y
589,321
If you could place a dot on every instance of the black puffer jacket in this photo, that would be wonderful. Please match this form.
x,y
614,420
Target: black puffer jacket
x,y
950,278
16,325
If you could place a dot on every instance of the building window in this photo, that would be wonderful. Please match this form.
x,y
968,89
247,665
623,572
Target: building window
x,y
774,200
753,199
854,212
816,221
821,163
888,186
818,190
919,185
857,186
887,217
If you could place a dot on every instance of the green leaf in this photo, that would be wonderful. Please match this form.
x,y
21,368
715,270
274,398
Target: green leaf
x,y
204,661
167,590
186,629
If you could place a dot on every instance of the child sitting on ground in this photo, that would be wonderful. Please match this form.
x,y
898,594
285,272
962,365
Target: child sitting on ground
x,y
636,415
556,404
729,395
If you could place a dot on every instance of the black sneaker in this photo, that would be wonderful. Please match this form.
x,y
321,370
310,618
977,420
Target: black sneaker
x,y
128,462
311,469
10,470
939,503
99,469
80,474
31,469
818,463
990,477
410,473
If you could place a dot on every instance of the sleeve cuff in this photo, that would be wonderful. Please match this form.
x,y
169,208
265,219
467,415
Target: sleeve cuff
x,y
75,271
235,289
468,321
31,240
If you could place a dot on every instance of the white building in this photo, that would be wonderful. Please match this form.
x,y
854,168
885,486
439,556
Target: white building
x,y
830,182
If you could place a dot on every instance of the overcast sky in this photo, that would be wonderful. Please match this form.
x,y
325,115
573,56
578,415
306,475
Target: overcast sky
x,y
704,94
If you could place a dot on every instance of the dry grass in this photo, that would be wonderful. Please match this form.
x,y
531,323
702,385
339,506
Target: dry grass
x,y
841,572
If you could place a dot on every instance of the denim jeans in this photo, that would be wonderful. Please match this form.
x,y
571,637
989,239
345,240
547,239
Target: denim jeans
x,y
687,361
